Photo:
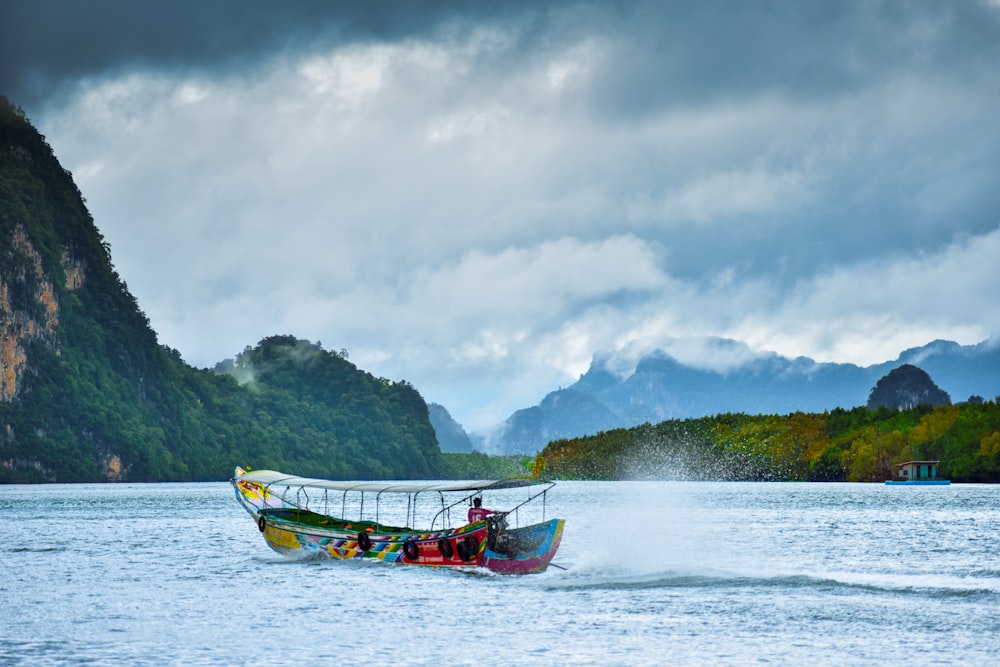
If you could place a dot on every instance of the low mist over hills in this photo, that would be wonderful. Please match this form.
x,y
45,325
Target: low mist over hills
x,y
660,387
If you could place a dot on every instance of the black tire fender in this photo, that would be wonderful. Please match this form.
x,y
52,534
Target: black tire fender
x,y
364,541
410,549
261,523
468,548
444,546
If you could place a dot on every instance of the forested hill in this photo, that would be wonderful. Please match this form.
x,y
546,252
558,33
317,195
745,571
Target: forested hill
x,y
858,445
88,394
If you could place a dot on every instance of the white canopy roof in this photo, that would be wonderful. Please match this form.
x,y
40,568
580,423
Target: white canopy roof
x,y
274,478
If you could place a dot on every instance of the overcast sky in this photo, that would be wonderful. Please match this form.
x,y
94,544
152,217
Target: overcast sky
x,y
477,197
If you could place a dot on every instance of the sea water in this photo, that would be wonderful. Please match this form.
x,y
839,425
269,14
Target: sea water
x,y
650,573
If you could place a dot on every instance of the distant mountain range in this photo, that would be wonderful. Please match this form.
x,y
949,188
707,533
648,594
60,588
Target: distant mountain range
x,y
662,388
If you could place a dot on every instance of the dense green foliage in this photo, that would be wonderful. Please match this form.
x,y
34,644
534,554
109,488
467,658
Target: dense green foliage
x,y
842,445
90,395
326,418
476,465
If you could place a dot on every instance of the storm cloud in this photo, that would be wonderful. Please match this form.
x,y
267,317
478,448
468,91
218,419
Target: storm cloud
x,y
480,198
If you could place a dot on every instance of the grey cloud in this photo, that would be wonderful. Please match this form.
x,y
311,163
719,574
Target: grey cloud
x,y
45,44
688,54
664,53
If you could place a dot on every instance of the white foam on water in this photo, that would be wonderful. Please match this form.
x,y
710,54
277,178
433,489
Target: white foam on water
x,y
653,530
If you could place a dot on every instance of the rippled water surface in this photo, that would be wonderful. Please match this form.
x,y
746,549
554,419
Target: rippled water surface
x,y
655,573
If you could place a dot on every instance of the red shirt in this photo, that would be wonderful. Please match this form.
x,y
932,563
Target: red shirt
x,y
478,514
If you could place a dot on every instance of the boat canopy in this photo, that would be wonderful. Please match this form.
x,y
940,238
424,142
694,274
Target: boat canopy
x,y
270,478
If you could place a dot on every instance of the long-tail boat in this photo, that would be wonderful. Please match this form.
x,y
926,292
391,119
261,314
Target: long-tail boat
x,y
302,516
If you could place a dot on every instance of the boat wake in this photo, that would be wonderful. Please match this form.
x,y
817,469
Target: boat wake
x,y
667,536
971,587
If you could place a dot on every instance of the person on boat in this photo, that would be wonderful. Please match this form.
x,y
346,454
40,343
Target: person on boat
x,y
477,512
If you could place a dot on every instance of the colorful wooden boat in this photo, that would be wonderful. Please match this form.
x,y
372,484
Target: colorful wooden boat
x,y
302,516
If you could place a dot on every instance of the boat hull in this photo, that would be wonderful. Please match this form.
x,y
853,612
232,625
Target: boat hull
x,y
299,534
524,550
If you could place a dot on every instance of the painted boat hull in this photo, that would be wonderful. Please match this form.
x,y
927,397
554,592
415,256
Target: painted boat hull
x,y
525,550
295,532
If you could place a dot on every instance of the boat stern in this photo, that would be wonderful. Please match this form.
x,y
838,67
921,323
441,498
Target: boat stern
x,y
524,550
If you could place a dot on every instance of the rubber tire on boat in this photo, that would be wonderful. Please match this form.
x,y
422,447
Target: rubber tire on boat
x,y
262,524
364,541
410,550
444,546
468,548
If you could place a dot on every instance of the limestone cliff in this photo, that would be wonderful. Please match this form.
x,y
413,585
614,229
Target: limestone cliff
x,y
56,363
17,326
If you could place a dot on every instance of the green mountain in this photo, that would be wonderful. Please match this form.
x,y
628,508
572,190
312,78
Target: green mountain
x,y
88,394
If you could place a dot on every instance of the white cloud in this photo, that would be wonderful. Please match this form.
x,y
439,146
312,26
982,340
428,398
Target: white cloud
x,y
733,194
870,311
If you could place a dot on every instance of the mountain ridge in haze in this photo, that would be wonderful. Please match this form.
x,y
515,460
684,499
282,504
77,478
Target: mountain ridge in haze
x,y
661,387
451,436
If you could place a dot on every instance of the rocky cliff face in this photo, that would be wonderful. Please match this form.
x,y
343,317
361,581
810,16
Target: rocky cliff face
x,y
65,398
38,321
